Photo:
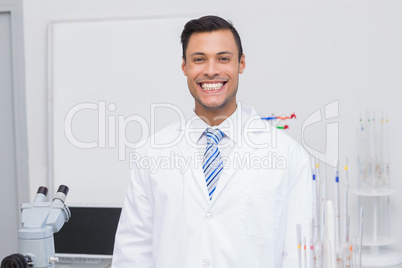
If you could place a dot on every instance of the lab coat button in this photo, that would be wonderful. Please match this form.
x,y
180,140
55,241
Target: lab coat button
x,y
208,216
206,263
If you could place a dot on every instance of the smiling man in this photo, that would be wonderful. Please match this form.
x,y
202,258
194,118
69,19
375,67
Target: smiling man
x,y
247,186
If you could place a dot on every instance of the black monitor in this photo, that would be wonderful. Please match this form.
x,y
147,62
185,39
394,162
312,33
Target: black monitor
x,y
90,230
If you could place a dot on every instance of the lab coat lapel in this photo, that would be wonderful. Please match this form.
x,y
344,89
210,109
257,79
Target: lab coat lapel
x,y
190,152
245,146
230,169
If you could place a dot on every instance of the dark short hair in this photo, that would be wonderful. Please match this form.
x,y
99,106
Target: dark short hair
x,y
208,24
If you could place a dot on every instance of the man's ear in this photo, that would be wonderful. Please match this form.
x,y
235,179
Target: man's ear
x,y
183,66
242,64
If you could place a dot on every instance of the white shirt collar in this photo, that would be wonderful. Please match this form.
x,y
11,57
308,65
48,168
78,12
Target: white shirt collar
x,y
197,126
233,126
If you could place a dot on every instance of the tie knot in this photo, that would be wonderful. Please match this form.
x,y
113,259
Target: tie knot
x,y
213,135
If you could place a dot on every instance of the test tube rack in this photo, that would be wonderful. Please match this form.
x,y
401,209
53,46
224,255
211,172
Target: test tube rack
x,y
376,228
374,191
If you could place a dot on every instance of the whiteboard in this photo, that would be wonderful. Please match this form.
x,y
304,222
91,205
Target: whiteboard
x,y
103,77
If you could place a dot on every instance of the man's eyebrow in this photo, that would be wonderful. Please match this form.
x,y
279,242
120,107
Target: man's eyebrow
x,y
203,54
197,53
225,52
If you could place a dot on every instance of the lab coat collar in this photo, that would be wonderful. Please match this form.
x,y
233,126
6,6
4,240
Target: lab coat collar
x,y
248,135
244,118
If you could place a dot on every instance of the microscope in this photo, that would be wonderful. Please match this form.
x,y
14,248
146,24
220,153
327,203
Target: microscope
x,y
40,220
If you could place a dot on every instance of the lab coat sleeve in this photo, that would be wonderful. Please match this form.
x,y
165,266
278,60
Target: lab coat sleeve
x,y
299,209
134,235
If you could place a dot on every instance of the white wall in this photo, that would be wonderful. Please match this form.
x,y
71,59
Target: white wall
x,y
13,134
304,55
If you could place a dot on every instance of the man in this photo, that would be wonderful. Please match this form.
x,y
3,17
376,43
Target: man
x,y
246,186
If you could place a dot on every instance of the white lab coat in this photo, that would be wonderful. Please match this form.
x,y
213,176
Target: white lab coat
x,y
168,220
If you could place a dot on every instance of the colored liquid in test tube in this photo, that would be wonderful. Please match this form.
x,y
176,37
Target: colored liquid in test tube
x,y
348,256
305,251
298,232
317,254
347,248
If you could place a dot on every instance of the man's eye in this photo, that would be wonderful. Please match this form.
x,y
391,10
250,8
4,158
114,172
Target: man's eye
x,y
198,59
225,59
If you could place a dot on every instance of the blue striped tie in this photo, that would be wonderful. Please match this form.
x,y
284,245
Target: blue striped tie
x,y
212,164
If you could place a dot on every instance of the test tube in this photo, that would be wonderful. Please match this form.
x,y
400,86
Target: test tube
x,y
360,236
347,248
305,251
337,218
298,233
346,183
311,246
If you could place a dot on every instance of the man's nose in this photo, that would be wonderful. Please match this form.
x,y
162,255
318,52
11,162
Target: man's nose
x,y
211,69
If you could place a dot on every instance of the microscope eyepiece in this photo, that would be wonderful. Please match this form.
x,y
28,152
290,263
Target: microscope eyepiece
x,y
41,195
42,190
64,189
61,193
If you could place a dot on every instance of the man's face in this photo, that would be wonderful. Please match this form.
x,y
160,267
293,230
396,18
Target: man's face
x,y
212,68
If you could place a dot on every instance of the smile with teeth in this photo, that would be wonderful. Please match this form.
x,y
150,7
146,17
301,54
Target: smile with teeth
x,y
212,86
